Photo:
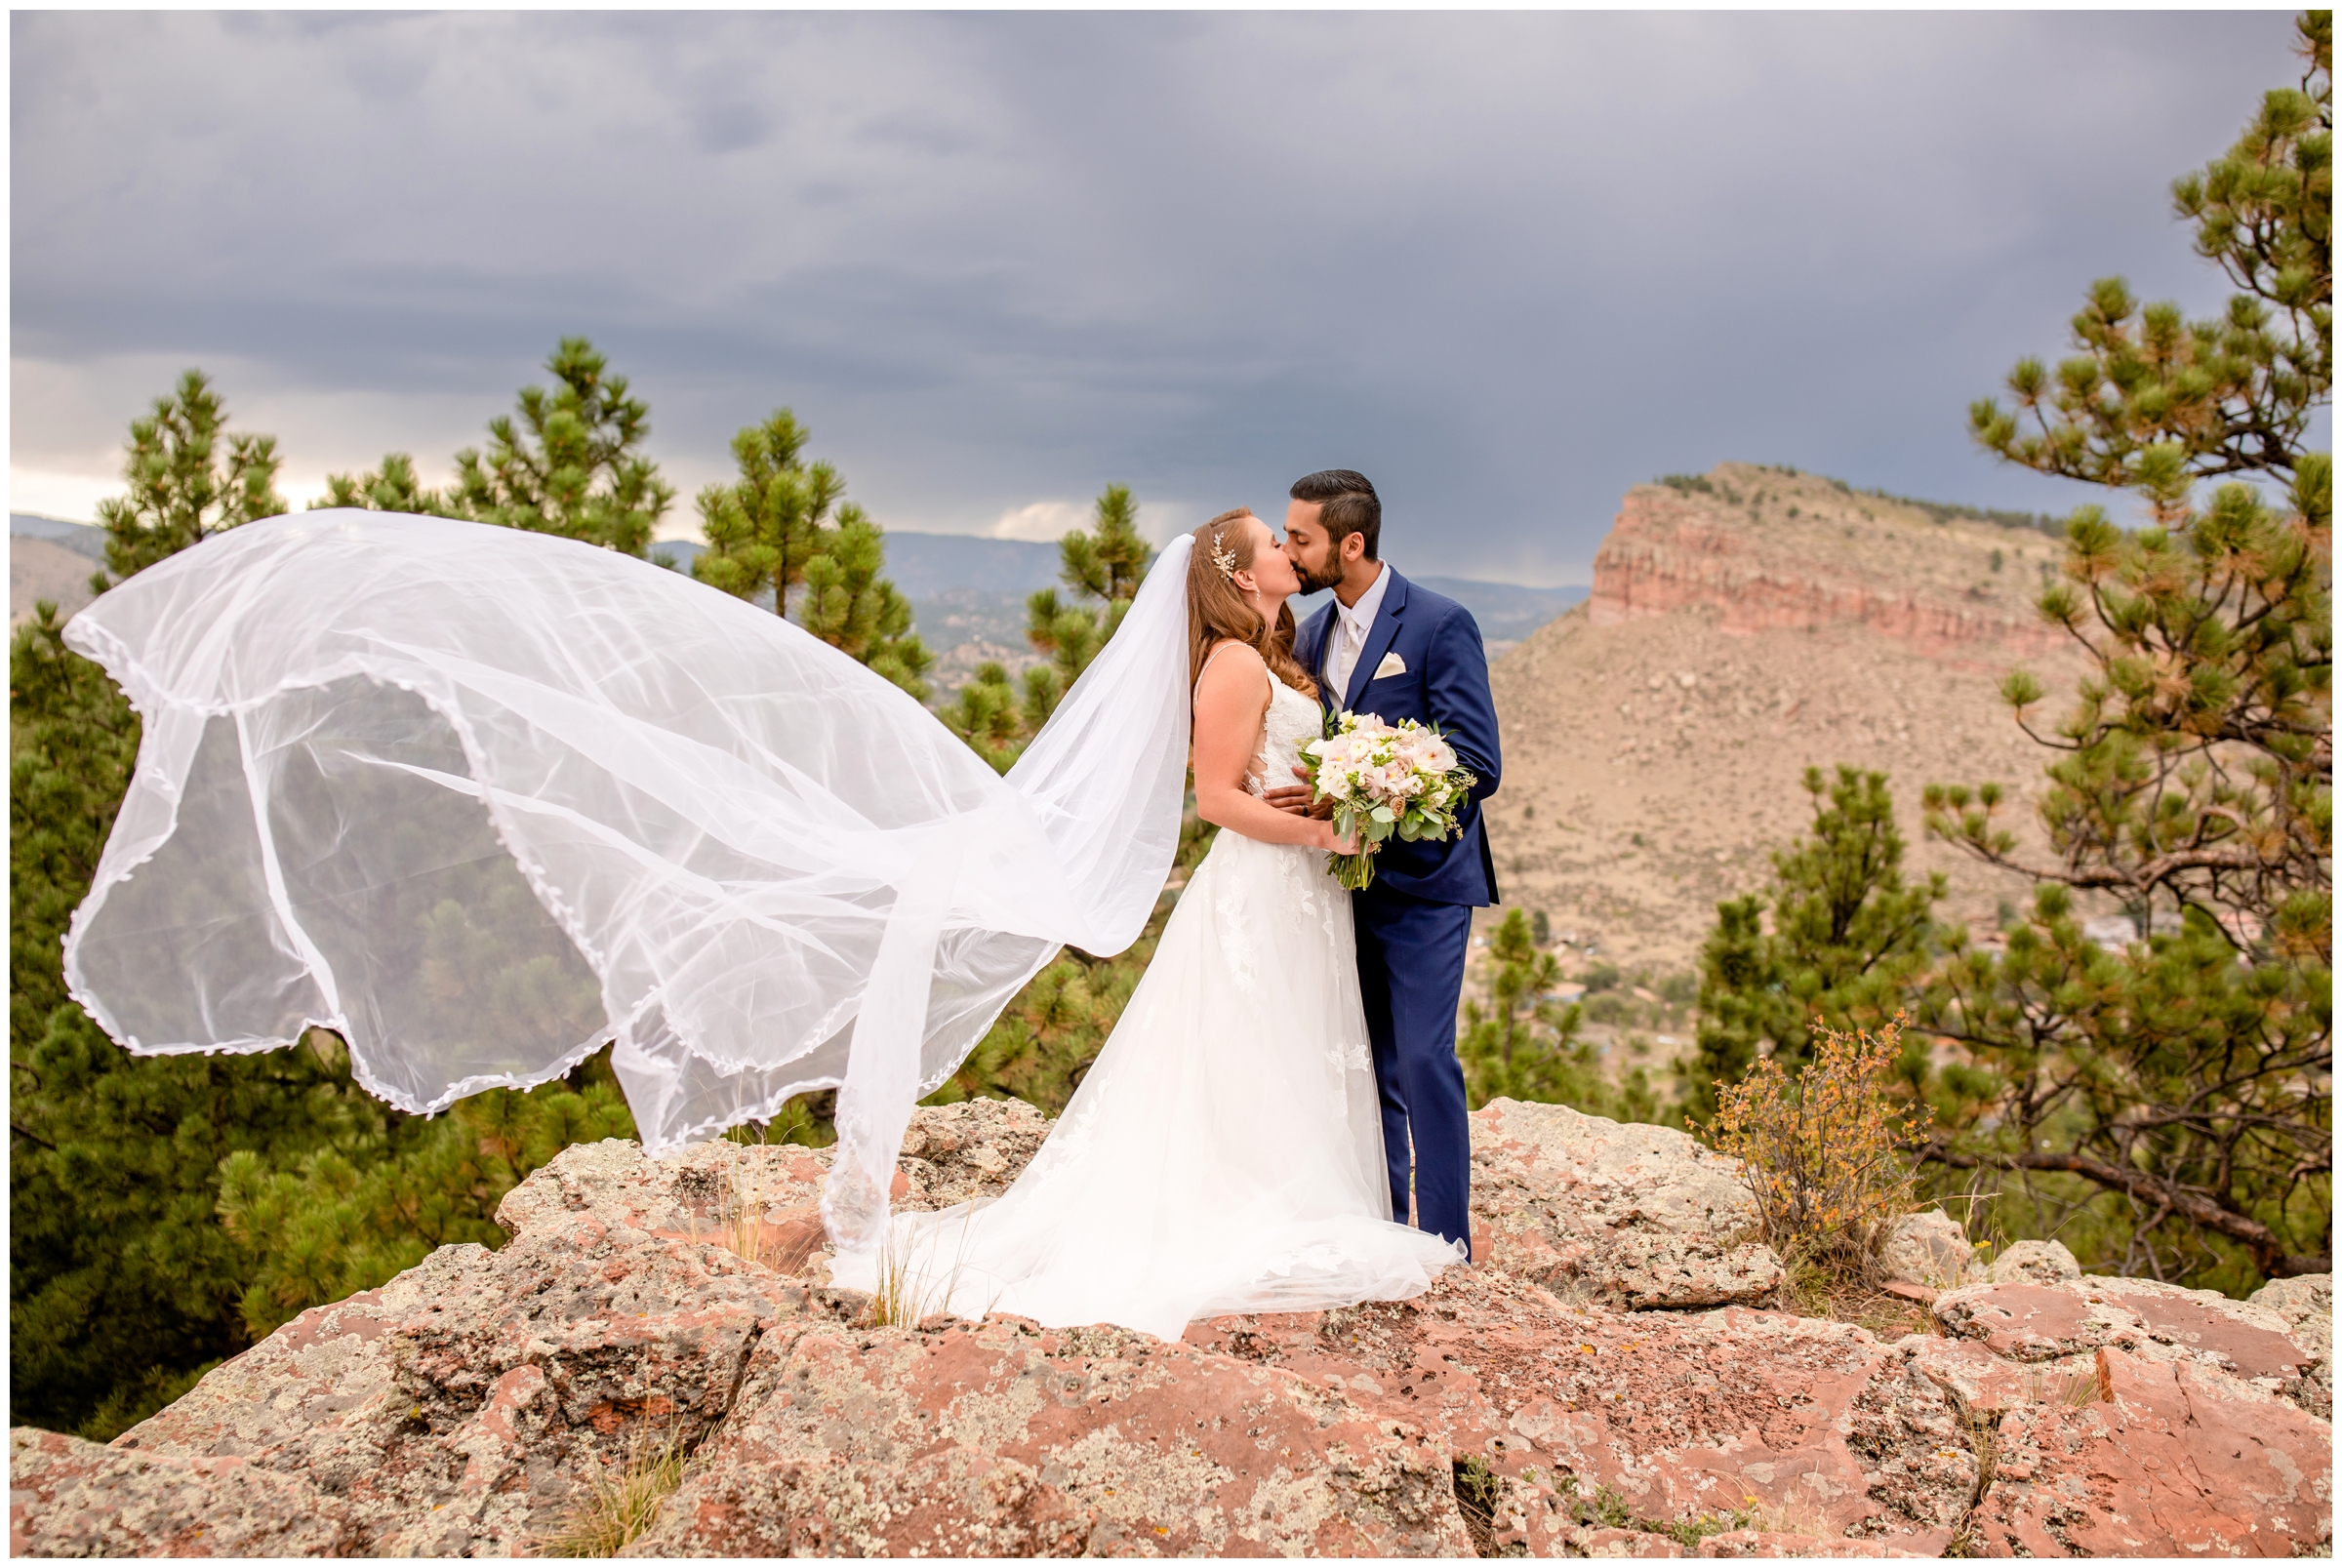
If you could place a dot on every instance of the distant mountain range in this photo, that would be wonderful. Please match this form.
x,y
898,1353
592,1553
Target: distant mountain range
x,y
966,591
968,594
49,560
83,539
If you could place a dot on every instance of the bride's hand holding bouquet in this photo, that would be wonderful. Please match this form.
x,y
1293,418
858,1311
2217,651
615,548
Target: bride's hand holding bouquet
x,y
1383,780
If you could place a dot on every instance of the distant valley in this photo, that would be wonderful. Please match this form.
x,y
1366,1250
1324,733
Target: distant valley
x,y
968,596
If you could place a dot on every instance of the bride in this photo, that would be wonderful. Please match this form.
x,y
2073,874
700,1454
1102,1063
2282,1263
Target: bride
x,y
484,801
1225,1154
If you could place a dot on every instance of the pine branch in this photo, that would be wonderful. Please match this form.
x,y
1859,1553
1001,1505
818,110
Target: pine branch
x,y
2267,1248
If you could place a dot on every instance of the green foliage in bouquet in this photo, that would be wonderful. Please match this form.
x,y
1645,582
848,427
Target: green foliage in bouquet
x,y
1347,765
574,464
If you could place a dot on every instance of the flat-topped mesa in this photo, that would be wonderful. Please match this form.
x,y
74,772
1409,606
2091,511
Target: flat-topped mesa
x,y
1765,549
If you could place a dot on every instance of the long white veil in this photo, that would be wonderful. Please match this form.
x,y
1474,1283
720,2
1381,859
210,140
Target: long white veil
x,y
480,799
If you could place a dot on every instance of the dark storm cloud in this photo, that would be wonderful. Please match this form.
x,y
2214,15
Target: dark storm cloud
x,y
1507,263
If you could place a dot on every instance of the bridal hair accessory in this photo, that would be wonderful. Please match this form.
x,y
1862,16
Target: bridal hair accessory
x,y
1222,558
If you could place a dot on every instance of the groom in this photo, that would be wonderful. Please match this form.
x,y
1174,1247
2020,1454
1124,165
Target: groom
x,y
1391,648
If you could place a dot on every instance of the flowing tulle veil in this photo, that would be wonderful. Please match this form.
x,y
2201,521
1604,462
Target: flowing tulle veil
x,y
480,800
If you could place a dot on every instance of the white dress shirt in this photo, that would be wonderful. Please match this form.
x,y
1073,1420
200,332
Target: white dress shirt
x,y
1351,623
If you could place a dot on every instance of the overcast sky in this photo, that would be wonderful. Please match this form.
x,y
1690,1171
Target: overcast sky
x,y
1507,265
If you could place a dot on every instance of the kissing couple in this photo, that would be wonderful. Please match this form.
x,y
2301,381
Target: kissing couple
x,y
484,802
1283,1086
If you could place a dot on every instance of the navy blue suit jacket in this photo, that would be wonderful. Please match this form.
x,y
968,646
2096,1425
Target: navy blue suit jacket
x,y
1445,684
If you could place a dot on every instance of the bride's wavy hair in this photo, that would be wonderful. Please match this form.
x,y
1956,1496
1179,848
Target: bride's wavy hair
x,y
1217,609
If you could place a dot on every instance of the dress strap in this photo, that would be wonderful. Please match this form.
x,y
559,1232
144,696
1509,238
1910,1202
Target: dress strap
x,y
1224,647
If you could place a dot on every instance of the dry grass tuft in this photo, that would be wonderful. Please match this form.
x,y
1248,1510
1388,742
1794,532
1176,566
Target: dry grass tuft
x,y
2067,1389
1794,1518
910,1292
628,1493
1811,1291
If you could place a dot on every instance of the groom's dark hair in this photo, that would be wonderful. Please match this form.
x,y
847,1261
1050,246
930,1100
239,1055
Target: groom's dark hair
x,y
1348,506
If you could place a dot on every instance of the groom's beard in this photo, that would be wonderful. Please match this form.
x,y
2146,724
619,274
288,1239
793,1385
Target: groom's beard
x,y
1315,581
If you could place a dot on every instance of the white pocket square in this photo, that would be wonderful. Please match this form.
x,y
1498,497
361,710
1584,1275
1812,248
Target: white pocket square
x,y
1392,665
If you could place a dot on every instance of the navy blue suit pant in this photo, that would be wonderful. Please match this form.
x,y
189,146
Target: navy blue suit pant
x,y
1412,976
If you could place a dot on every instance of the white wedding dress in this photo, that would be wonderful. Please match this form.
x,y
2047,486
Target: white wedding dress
x,y
1225,1154
484,801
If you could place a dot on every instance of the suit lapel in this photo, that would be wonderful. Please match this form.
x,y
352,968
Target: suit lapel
x,y
1378,637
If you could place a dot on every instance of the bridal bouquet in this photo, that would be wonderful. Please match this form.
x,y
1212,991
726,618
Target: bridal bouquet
x,y
1384,778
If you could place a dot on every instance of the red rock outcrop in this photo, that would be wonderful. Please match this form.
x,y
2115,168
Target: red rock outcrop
x,y
999,1438
1637,1216
476,1403
1690,1421
2158,1459
1766,550
2129,1418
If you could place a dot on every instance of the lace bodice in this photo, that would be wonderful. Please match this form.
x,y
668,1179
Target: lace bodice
x,y
1291,722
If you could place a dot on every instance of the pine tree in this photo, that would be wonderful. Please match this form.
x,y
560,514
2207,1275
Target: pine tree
x,y
1105,567
985,714
1846,937
121,1284
2179,1090
2229,395
764,527
392,488
348,1215
183,488
125,1283
850,607
1523,1045
770,531
574,466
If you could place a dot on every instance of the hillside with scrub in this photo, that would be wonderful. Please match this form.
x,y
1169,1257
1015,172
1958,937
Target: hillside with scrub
x,y
1744,626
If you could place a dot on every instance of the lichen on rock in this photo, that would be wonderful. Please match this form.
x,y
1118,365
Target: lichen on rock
x,y
1596,1373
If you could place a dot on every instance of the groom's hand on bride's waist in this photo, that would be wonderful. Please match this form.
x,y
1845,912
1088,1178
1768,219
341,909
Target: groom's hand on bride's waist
x,y
1295,798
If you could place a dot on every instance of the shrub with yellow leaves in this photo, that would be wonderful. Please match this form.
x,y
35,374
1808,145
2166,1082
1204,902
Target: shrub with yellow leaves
x,y
1829,1153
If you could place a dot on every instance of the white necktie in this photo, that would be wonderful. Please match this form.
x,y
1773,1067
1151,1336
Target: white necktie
x,y
1347,643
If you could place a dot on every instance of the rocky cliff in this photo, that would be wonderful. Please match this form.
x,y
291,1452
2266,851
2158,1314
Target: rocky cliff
x,y
1607,1382
1744,626
1771,550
